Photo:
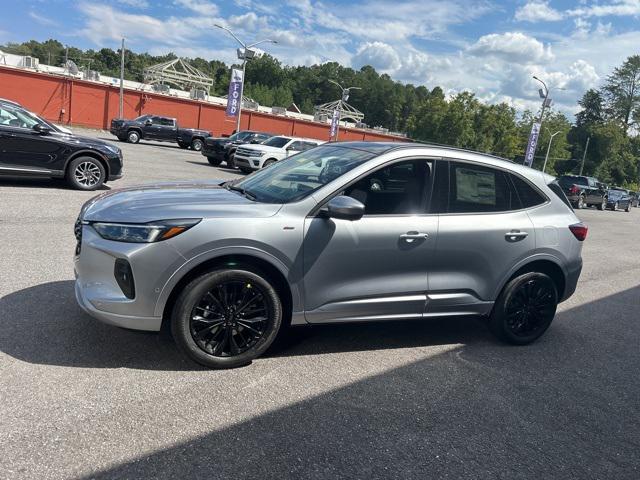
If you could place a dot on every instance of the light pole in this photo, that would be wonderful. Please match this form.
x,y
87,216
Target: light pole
x,y
121,99
345,97
245,54
544,94
546,157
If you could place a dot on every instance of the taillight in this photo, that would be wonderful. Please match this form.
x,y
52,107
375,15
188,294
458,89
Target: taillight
x,y
579,231
574,190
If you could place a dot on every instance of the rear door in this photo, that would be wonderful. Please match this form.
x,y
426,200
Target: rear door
x,y
167,129
483,232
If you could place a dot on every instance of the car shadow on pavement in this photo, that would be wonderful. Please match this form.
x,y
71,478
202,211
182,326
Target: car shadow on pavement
x,y
565,407
143,143
44,325
40,182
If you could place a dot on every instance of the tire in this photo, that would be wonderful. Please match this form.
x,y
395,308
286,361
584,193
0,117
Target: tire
x,y
197,144
231,161
268,163
521,326
245,170
603,205
85,173
615,207
214,161
217,294
628,209
133,136
580,202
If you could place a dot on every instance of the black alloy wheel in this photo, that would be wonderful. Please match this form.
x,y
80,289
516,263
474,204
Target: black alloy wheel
x,y
525,309
226,318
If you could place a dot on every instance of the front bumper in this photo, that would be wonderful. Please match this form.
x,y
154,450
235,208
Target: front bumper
x,y
252,163
98,292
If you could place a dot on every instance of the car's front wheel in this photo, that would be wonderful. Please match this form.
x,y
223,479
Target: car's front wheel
x,y
525,308
85,173
603,205
628,209
133,136
226,318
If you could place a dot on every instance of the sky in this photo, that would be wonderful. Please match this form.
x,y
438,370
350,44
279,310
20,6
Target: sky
x,y
489,47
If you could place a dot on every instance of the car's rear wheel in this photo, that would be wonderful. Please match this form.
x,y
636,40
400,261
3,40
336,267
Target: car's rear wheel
x,y
196,144
226,318
214,161
85,173
133,136
580,202
525,309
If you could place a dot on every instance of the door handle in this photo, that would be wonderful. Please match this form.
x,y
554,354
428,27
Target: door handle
x,y
412,236
515,235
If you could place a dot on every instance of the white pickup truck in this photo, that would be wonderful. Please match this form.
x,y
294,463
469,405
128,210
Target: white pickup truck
x,y
255,157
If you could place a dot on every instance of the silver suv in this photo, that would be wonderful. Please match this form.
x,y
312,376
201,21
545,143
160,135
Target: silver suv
x,y
345,232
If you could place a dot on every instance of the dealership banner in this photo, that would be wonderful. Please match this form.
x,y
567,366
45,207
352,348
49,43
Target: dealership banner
x,y
533,143
335,121
235,89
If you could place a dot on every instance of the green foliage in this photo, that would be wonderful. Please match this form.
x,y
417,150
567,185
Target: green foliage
x,y
609,117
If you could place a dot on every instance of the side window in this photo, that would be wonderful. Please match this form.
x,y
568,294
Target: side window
x,y
167,122
476,189
528,195
397,189
297,146
15,118
308,145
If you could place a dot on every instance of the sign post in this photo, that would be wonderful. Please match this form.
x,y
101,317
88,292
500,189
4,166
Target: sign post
x,y
532,144
234,99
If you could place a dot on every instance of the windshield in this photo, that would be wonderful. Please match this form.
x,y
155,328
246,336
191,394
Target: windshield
x,y
277,142
302,174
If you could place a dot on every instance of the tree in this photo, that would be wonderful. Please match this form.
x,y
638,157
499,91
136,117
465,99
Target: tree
x,y
622,93
592,111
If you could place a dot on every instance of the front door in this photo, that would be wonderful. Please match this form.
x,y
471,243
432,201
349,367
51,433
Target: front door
x,y
24,150
374,268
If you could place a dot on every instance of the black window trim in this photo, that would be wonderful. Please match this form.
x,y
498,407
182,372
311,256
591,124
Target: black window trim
x,y
448,160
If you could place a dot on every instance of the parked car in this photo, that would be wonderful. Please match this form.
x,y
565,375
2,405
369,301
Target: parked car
x,y
255,157
584,191
30,145
618,199
345,232
218,150
635,199
161,129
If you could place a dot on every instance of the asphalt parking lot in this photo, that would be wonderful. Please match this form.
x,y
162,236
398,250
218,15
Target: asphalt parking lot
x,y
437,399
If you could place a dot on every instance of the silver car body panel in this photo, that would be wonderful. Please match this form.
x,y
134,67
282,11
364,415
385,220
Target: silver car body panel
x,y
337,270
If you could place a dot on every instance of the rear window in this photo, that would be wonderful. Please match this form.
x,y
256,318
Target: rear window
x,y
557,189
570,180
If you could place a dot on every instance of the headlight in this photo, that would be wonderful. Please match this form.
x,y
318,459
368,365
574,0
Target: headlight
x,y
112,149
146,232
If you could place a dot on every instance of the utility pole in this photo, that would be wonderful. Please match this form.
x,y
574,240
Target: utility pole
x,y
66,58
546,157
245,53
584,155
121,112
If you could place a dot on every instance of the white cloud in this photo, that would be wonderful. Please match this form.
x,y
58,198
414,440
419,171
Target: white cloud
x,y
203,7
614,8
248,21
42,20
379,55
536,11
135,3
512,46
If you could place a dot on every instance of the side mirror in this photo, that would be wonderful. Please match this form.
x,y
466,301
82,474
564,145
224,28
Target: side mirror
x,y
343,208
148,122
42,129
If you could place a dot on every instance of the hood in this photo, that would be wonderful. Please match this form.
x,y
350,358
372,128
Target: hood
x,y
261,148
217,141
79,139
164,201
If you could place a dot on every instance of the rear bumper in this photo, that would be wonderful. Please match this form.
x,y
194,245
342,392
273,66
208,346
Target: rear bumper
x,y
571,280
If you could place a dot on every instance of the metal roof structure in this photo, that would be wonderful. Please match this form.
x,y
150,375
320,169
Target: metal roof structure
x,y
346,110
178,73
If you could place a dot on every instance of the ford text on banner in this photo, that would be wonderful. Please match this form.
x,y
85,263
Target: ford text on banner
x,y
533,143
235,87
335,119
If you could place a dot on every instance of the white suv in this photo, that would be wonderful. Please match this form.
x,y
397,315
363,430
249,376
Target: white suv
x,y
255,157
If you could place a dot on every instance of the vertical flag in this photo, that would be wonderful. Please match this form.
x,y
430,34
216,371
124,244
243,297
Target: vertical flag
x,y
335,121
235,87
532,144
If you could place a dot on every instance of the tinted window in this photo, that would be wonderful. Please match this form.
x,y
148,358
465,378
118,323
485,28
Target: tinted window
x,y
557,189
298,146
475,189
528,195
277,142
166,122
397,189
566,180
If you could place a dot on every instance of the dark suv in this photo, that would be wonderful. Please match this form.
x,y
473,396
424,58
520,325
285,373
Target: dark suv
x,y
30,145
223,149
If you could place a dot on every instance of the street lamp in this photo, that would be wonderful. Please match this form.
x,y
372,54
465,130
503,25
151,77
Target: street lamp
x,y
245,53
546,157
345,97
